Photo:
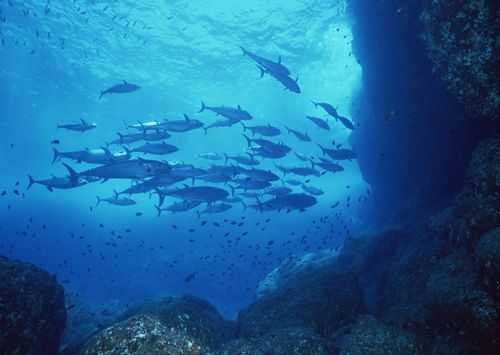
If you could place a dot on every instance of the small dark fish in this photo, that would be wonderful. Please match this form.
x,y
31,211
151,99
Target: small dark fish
x,y
190,277
138,214
55,141
191,230
71,306
4,193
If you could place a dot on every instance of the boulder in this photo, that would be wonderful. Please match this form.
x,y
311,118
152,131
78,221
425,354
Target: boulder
x,y
368,336
32,311
318,293
287,341
143,334
168,326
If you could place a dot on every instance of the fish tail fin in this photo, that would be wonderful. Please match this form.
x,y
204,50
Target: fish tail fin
x,y
102,94
244,51
203,107
31,182
205,129
226,158
314,103
98,201
288,129
322,149
56,155
244,205
259,203
249,141
161,196
232,189
158,209
244,127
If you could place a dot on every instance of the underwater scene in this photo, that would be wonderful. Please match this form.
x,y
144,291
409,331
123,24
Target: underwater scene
x,y
260,177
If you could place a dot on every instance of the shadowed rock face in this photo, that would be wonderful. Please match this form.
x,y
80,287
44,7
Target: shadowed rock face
x,y
32,311
414,137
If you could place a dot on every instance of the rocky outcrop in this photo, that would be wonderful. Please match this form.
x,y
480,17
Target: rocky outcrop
x,y
175,326
368,336
32,311
287,341
406,116
461,38
144,334
321,296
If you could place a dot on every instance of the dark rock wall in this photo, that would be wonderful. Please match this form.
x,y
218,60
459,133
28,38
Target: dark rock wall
x,y
414,139
32,311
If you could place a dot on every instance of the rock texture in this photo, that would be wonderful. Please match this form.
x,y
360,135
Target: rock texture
x,y
173,326
32,311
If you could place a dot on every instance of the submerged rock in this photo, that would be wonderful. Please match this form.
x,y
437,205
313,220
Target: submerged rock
x,y
169,326
461,37
143,334
32,311
291,268
318,293
367,336
288,341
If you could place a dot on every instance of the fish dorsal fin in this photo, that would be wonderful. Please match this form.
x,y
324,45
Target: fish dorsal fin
x,y
186,185
125,82
71,172
239,107
83,121
116,194
186,117
279,59
297,79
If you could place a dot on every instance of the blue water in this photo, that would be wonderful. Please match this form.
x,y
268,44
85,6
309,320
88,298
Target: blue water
x,y
57,56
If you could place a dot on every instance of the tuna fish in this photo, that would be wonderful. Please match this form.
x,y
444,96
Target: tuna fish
x,y
176,207
116,200
338,154
121,88
215,208
234,114
92,156
268,131
68,182
312,190
329,109
83,126
180,126
197,193
319,122
285,80
301,171
156,148
210,156
328,165
275,67
301,136
130,169
289,202
243,159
